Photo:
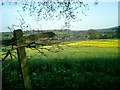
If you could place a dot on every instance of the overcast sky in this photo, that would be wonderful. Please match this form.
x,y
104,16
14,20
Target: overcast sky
x,y
104,15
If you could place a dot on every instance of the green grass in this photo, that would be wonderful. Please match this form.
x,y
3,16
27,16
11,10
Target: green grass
x,y
75,67
65,74
76,52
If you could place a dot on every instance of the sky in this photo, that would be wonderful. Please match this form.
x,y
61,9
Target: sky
x,y
103,15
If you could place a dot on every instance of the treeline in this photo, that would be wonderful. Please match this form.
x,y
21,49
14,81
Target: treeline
x,y
95,34
66,34
104,34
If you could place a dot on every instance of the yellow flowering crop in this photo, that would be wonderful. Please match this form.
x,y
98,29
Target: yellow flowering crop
x,y
92,43
47,46
96,43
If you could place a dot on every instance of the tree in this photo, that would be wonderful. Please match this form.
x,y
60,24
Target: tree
x,y
53,9
108,36
118,32
93,34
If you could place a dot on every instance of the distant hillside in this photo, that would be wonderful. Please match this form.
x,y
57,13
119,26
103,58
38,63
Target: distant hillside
x,y
66,34
111,28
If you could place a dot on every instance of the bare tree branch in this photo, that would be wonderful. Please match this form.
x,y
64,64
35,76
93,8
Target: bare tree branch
x,y
54,9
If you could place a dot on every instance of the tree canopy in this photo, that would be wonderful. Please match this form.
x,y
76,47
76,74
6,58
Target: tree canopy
x,y
93,34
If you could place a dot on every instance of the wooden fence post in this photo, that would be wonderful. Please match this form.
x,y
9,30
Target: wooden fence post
x,y
22,59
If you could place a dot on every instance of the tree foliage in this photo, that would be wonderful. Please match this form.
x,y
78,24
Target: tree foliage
x,y
54,9
108,36
118,32
93,34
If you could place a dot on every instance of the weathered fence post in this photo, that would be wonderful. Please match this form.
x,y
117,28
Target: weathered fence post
x,y
22,59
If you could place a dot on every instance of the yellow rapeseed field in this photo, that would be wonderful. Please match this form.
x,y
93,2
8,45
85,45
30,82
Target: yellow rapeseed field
x,y
93,43
96,43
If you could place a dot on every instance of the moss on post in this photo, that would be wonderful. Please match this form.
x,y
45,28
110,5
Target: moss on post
x,y
22,59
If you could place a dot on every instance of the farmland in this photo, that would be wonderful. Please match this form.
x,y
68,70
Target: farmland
x,y
87,64
59,44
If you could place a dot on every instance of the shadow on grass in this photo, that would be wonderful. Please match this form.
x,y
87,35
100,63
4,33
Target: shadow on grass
x,y
67,73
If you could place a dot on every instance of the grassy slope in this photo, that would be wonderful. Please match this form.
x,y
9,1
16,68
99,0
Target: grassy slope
x,y
76,67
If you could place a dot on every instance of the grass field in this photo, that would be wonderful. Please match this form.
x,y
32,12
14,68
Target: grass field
x,y
90,64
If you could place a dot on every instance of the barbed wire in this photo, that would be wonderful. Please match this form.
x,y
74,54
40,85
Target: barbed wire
x,y
8,53
3,68
32,44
